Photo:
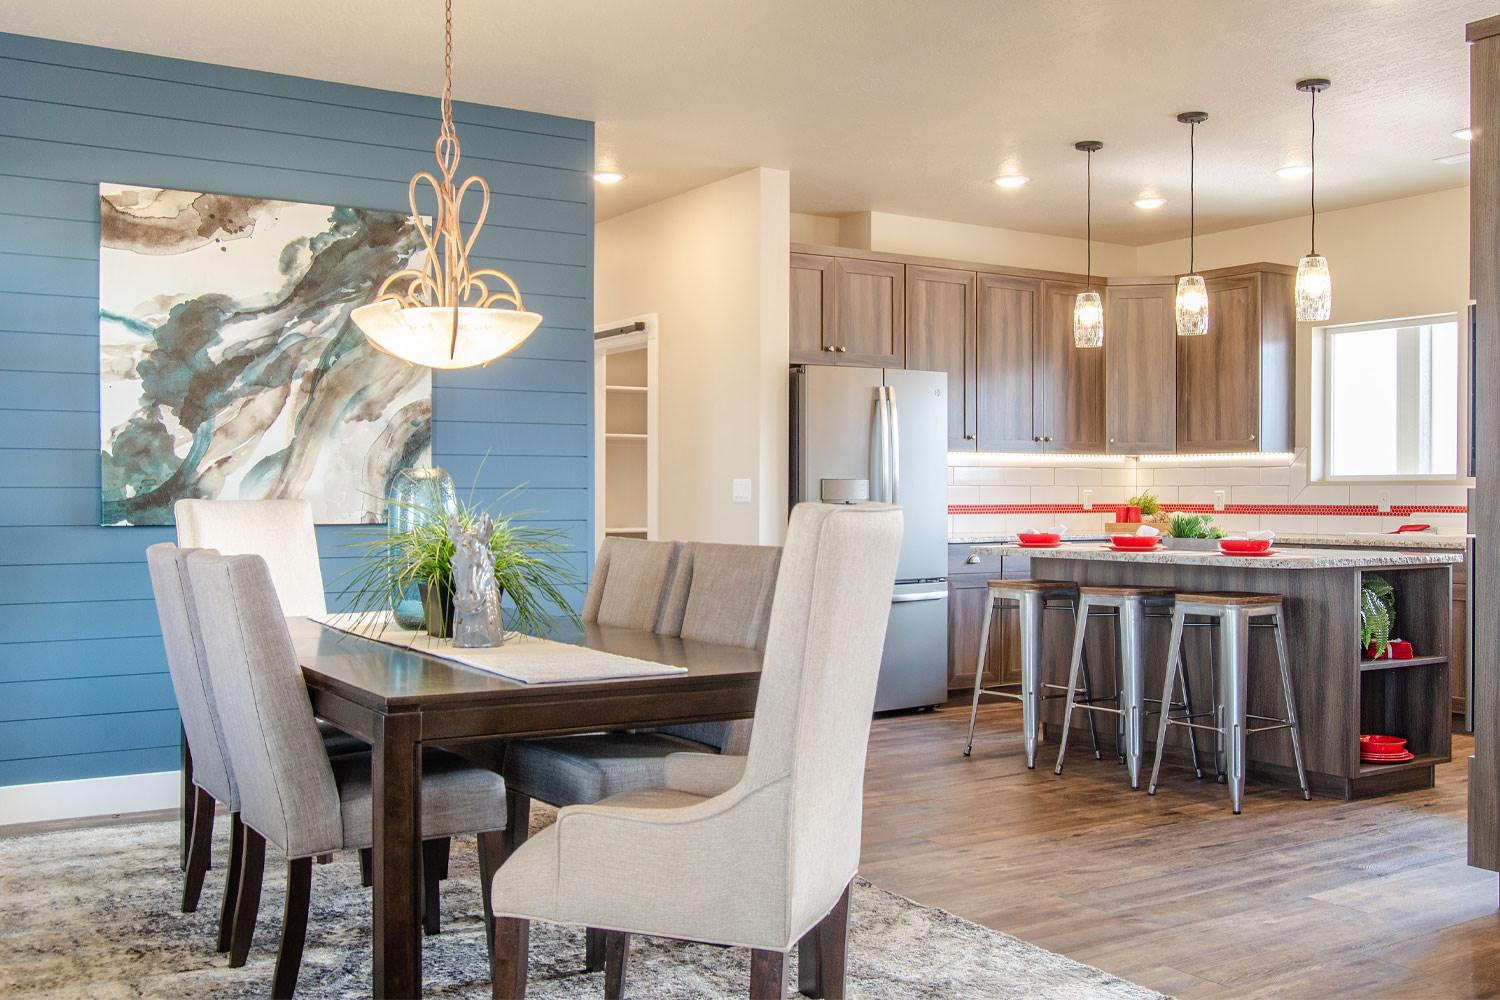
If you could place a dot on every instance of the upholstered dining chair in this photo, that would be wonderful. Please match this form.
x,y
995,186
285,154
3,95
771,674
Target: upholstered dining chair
x,y
715,593
291,792
755,852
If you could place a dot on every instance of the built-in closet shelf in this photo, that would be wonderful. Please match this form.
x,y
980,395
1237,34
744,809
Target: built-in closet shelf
x,y
624,531
613,436
625,388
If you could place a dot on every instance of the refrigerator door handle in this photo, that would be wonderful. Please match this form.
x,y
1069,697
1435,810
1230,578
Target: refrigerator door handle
x,y
880,450
893,459
923,595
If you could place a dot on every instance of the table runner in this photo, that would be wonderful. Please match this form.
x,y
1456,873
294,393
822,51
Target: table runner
x,y
523,658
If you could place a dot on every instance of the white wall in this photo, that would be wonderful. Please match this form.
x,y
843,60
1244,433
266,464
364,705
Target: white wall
x,y
711,263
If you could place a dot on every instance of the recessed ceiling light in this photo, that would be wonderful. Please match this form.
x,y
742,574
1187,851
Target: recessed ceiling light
x,y
1464,135
1293,172
608,177
1011,180
1149,203
1456,158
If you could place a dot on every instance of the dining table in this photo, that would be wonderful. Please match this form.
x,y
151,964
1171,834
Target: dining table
x,y
401,699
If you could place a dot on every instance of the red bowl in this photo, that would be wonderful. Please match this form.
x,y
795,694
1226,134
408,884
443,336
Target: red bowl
x,y
1135,541
1244,546
1039,537
1381,744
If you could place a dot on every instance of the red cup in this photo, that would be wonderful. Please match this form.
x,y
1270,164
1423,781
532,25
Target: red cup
x,y
1128,515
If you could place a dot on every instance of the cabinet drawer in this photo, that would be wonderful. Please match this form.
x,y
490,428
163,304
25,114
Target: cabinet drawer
x,y
985,564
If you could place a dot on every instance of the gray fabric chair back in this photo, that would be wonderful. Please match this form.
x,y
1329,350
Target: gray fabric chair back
x,y
286,786
279,531
191,683
630,581
722,593
817,687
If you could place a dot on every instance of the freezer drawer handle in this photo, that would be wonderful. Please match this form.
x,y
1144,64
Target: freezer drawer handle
x,y
925,595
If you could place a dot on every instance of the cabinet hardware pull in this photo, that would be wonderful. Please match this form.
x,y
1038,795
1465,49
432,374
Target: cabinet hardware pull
x,y
968,437
827,348
841,348
973,559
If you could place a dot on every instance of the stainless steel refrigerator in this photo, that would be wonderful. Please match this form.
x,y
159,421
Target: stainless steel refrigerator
x,y
882,435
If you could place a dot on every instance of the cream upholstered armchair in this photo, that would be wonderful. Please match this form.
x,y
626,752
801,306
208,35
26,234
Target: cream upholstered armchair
x,y
755,852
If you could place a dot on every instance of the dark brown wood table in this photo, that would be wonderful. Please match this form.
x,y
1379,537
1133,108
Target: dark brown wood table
x,y
402,699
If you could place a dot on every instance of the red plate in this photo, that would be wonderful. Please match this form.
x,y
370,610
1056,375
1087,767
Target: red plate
x,y
1373,743
1039,545
1394,758
1245,546
1039,537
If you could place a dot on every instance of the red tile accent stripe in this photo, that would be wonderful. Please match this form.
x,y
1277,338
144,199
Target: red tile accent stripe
x,y
1308,509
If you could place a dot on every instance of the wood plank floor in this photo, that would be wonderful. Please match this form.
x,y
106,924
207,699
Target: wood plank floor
x,y
1290,899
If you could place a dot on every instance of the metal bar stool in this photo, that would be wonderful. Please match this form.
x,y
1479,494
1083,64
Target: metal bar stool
x,y
1130,607
1031,599
1236,614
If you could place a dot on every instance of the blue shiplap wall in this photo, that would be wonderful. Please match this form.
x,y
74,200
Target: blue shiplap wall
x,y
83,684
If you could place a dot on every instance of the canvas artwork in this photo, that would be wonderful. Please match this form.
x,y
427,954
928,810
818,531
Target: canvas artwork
x,y
228,367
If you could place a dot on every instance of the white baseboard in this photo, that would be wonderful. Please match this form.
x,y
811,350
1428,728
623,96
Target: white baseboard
x,y
127,793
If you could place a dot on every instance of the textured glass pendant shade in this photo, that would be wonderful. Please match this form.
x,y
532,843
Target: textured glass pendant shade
x,y
426,335
1192,306
1088,320
1314,289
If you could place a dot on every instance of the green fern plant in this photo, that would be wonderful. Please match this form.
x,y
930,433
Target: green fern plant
x,y
1377,613
1147,503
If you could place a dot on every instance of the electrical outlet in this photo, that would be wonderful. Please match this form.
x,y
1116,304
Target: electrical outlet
x,y
740,491
1088,499
1218,500
1384,502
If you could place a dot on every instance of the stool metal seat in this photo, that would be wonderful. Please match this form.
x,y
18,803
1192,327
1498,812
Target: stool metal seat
x,y
1235,613
1031,599
1130,606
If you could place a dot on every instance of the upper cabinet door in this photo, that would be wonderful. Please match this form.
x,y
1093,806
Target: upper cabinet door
x,y
812,308
1140,369
869,313
940,329
1070,379
1010,320
1218,374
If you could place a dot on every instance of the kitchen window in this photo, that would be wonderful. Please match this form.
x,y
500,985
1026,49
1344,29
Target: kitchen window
x,y
1390,398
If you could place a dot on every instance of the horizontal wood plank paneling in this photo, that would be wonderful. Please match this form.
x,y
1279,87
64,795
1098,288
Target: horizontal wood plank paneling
x,y
83,685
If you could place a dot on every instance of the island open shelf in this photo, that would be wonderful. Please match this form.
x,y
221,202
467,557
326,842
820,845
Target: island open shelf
x,y
1339,693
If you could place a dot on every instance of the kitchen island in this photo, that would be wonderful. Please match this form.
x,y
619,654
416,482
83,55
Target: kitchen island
x,y
1339,693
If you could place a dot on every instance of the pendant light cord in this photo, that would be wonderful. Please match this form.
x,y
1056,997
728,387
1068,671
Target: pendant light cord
x,y
1088,217
1312,187
1192,197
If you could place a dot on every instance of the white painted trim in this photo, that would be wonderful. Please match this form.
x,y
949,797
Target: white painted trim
x,y
648,339
126,793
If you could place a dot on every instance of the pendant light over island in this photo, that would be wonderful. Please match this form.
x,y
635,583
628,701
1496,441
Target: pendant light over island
x,y
1314,284
1192,292
1088,311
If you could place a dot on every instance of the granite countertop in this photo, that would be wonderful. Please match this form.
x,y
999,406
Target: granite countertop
x,y
1280,559
1420,540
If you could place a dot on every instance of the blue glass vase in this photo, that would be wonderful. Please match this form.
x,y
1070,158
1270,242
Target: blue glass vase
x,y
415,495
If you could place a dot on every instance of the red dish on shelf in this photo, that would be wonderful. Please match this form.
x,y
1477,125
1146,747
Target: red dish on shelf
x,y
1391,758
1396,649
1371,743
1135,543
1245,546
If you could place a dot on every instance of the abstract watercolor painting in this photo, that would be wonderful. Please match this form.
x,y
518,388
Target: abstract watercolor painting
x,y
228,367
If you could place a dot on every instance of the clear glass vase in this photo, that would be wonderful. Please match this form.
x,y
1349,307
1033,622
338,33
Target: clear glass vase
x,y
415,498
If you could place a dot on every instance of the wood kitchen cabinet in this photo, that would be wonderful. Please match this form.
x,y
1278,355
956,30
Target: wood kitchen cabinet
x,y
1070,396
847,311
1009,328
1235,388
940,331
967,590
1140,367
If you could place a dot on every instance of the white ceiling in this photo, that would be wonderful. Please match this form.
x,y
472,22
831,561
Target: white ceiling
x,y
907,107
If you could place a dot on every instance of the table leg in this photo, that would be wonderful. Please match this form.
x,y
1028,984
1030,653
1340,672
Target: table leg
x,y
396,787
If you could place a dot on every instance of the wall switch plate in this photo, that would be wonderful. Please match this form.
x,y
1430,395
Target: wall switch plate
x,y
1218,499
740,491
1384,504
1088,499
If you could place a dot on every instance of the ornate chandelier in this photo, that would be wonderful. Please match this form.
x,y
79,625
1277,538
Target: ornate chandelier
x,y
445,314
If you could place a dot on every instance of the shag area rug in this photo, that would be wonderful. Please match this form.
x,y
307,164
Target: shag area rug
x,y
93,913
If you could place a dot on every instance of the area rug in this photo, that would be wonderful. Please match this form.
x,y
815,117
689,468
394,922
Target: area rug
x,y
93,913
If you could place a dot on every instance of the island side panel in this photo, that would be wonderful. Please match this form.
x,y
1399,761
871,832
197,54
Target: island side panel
x,y
1322,630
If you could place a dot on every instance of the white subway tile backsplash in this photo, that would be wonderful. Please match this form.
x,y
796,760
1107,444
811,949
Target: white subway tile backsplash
x,y
1258,494
1179,477
1237,522
1290,524
1111,495
1323,493
1054,494
1164,494
1276,475
963,494
1200,494
1005,494
978,524
1232,476
975,474
1077,475
1114,475
1026,475
1371,493
1442,496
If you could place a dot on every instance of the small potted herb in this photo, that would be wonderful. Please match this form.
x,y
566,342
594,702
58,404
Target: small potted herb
x,y
1192,531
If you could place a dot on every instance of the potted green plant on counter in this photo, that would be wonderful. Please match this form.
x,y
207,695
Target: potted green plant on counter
x,y
1192,531
1377,615
530,565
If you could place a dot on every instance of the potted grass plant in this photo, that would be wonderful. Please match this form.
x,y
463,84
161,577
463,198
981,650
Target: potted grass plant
x,y
530,564
1192,531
